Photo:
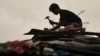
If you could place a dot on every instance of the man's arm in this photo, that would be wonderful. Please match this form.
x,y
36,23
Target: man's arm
x,y
55,22
56,27
51,21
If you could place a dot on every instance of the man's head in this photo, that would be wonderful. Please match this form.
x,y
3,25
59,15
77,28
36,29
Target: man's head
x,y
54,8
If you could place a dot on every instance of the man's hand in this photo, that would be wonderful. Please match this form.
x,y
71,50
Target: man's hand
x,y
46,29
47,17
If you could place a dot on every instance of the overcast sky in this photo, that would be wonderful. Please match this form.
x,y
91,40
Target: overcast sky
x,y
19,16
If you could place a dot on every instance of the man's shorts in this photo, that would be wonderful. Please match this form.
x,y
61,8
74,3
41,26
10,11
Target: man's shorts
x,y
75,24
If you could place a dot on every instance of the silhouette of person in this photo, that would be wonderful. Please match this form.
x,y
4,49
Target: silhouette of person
x,y
67,19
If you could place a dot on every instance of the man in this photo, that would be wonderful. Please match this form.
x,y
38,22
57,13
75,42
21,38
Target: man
x,y
68,19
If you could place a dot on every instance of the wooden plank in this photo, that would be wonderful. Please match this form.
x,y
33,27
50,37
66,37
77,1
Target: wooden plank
x,y
88,41
74,49
42,32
